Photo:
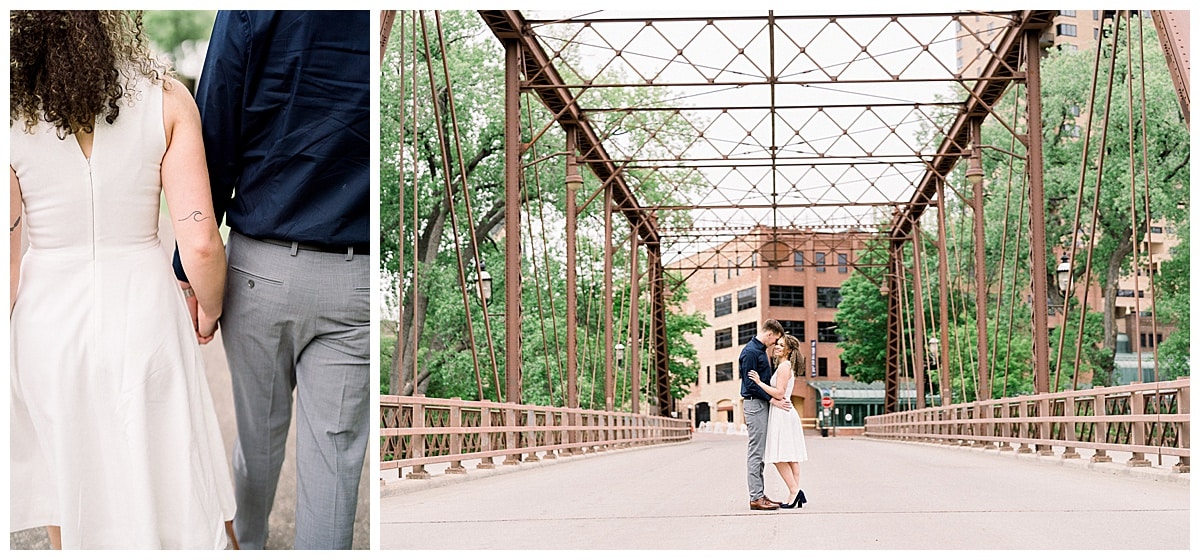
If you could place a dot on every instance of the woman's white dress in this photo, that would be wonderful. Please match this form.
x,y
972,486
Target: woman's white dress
x,y
785,435
113,435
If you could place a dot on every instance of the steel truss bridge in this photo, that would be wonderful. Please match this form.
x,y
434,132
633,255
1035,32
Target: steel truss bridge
x,y
774,127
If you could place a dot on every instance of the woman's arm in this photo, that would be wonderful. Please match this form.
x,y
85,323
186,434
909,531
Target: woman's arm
x,y
775,392
185,183
15,207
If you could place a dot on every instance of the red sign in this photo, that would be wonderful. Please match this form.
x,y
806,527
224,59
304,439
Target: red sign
x,y
827,402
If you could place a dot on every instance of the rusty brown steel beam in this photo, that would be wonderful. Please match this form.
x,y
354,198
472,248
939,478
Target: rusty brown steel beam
x,y
387,18
943,296
918,320
1175,34
658,330
512,221
748,161
763,82
543,77
763,17
573,183
1037,217
734,108
635,330
894,358
984,390
609,379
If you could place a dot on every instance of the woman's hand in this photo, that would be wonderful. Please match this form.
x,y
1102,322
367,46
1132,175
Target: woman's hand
x,y
753,375
206,327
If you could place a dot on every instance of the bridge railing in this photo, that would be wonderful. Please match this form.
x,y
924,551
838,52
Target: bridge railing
x,y
419,431
1140,418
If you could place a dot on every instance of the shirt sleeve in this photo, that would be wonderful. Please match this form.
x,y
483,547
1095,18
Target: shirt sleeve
x,y
219,94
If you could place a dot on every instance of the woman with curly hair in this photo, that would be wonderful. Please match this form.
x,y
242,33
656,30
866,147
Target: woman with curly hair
x,y
113,436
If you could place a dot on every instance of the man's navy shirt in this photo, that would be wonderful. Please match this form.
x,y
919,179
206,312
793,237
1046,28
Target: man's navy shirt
x,y
754,357
284,102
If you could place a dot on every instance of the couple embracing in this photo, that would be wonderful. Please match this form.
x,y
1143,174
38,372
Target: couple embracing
x,y
776,435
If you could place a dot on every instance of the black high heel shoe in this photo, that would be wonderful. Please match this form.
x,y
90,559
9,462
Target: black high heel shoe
x,y
798,502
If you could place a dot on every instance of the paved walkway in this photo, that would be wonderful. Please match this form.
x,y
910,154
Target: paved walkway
x,y
863,494
283,514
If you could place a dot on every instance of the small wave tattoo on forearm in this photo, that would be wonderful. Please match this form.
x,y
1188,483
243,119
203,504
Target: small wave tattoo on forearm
x,y
196,216
15,224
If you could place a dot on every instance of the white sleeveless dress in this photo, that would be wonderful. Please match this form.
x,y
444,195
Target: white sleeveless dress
x,y
785,435
113,435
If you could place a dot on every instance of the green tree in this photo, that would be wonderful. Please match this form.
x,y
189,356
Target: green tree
x,y
1066,84
862,319
1173,304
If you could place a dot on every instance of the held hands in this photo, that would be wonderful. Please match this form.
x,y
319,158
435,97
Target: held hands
x,y
204,327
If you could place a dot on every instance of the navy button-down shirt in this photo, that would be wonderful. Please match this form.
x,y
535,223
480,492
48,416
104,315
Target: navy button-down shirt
x,y
754,357
284,102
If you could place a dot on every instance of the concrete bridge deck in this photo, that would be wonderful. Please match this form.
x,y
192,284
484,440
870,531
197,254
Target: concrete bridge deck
x,y
863,494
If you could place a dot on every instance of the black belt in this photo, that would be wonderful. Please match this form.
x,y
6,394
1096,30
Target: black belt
x,y
357,248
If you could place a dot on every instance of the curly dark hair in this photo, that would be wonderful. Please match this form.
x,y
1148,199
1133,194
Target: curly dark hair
x,y
70,67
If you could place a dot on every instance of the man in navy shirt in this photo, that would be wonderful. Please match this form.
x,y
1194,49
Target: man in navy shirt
x,y
284,102
755,406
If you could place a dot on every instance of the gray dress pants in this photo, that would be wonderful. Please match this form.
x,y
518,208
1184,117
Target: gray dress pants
x,y
756,425
299,320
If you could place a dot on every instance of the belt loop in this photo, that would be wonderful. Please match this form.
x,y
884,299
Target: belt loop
x,y
350,253
295,247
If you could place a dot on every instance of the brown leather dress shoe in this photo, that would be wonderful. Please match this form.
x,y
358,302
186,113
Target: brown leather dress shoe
x,y
777,504
763,504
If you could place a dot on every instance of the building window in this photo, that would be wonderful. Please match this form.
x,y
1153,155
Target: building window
x,y
827,332
786,296
746,331
714,276
724,372
820,262
1155,229
843,261
1125,293
1096,15
1147,340
722,305
708,374
1068,13
1071,130
723,338
1066,30
794,328
822,367
747,298
829,298
1095,33
798,260
844,372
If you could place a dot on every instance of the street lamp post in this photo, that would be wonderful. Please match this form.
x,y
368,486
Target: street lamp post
x,y
483,283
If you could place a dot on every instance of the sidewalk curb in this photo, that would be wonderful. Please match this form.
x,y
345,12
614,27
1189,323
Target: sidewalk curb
x,y
1114,468
389,487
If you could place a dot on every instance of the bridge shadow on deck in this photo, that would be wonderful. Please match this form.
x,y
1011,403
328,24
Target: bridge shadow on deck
x,y
863,494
